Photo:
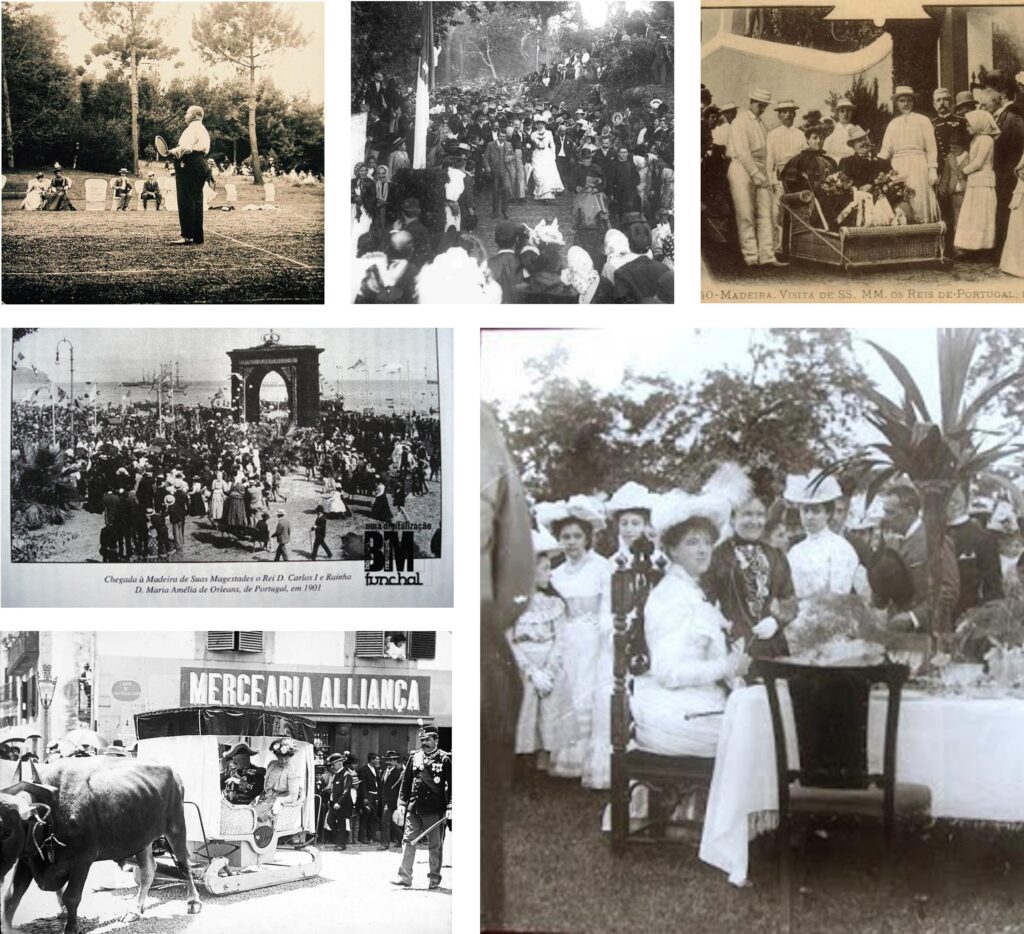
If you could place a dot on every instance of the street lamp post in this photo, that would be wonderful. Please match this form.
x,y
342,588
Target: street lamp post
x,y
46,687
71,402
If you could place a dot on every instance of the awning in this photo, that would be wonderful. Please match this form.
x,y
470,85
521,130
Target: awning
x,y
206,721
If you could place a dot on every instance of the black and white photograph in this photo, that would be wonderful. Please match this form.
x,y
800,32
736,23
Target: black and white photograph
x,y
513,153
196,130
752,623
161,447
862,152
203,781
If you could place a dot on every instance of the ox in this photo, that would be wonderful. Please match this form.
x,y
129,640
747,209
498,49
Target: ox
x,y
80,811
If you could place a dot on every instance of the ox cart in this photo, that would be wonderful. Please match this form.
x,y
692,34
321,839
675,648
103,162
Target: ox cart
x,y
235,847
857,247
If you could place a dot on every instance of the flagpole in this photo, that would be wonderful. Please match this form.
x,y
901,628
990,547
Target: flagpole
x,y
424,85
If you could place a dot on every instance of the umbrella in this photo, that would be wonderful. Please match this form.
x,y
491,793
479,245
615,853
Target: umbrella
x,y
82,737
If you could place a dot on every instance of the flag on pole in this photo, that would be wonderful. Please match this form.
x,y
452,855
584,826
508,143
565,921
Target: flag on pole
x,y
424,85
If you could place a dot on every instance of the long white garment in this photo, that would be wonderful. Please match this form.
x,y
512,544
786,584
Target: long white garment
x,y
748,152
686,639
909,143
583,585
783,143
33,195
823,563
1012,261
976,223
546,180
837,143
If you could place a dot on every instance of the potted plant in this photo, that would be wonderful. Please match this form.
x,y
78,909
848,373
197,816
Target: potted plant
x,y
937,456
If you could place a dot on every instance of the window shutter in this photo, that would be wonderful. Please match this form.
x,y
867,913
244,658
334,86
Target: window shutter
x,y
422,644
250,641
220,641
369,644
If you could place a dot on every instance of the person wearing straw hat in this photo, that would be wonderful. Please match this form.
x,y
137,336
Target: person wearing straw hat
x,y
909,143
837,145
863,166
546,717
749,183
965,101
823,562
425,801
122,190
677,704
784,142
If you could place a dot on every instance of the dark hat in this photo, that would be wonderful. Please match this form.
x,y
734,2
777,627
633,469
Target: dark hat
x,y
427,729
334,757
391,754
890,580
239,748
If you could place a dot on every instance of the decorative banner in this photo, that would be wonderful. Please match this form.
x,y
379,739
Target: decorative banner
x,y
314,692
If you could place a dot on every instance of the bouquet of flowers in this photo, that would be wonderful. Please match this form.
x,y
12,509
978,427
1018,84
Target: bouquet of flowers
x,y
837,629
892,186
838,183
999,624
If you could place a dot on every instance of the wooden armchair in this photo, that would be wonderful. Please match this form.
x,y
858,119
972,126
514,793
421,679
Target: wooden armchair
x,y
830,716
668,780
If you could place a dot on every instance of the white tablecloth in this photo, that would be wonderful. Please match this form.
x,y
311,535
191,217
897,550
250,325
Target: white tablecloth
x,y
969,752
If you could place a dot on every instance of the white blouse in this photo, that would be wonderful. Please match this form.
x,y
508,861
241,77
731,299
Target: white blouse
x,y
823,563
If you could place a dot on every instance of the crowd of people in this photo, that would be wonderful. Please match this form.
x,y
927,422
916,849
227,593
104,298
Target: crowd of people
x,y
55,194
514,143
737,570
149,478
963,167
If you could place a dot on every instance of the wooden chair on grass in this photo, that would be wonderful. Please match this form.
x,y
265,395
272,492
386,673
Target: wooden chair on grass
x,y
830,717
668,780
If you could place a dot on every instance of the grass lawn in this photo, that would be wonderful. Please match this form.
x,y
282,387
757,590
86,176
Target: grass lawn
x,y
123,257
562,877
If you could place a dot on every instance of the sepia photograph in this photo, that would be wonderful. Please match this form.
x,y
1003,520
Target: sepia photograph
x,y
752,623
196,130
864,151
513,153
197,782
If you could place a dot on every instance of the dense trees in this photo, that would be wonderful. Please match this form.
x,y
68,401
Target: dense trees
x,y
54,111
791,408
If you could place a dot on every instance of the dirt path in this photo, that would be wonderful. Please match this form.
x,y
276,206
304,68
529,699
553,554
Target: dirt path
x,y
77,540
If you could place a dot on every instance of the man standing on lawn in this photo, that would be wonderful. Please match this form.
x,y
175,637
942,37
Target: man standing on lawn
x,y
190,173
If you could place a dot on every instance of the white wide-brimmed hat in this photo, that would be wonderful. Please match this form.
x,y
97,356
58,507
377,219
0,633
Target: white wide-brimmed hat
x,y
630,497
544,542
678,506
587,509
761,95
803,491
903,90
786,105
844,102
1004,519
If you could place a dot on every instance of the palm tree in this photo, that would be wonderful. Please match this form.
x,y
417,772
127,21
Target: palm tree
x,y
936,457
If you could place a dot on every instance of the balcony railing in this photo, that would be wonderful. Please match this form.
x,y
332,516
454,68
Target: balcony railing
x,y
22,652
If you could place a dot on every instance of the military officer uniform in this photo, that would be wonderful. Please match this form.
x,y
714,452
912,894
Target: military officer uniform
x,y
426,797
241,785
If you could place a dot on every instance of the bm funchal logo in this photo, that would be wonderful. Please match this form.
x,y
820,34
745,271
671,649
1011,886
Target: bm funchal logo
x,y
389,556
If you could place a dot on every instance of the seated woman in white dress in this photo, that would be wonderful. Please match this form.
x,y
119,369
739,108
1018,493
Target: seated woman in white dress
x,y
676,704
34,193
824,562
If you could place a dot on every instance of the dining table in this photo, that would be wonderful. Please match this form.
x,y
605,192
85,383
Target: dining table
x,y
966,747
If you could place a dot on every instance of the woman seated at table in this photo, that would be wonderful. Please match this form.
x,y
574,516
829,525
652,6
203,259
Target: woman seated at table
x,y
675,704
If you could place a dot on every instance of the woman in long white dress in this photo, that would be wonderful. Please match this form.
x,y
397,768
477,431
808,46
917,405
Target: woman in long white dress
x,y
546,180
824,562
676,705
34,193
217,495
837,144
546,716
583,582
909,143
976,223
1012,261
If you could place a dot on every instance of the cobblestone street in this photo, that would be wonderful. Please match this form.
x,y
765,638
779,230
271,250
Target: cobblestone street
x,y
353,894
